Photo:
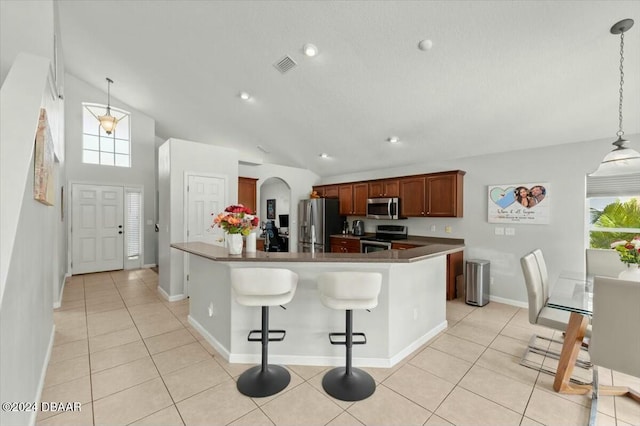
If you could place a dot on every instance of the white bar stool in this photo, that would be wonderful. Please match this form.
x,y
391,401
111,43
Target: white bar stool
x,y
348,291
264,287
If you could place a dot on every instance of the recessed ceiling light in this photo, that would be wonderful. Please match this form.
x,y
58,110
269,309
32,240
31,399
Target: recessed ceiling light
x,y
393,139
244,96
425,44
310,50
324,155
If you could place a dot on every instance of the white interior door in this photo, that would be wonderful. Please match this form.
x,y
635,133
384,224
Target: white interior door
x,y
97,228
206,196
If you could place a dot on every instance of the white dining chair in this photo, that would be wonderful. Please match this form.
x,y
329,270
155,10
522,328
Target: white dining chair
x,y
537,281
603,262
615,340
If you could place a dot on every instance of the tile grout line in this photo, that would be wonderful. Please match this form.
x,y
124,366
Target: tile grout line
x,y
152,360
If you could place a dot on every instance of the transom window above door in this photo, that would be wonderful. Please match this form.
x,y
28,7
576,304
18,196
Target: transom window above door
x,y
100,148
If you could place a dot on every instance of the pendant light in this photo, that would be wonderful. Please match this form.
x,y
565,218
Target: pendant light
x,y
622,160
108,121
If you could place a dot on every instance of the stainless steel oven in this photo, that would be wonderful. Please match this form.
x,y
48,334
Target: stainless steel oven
x,y
385,234
369,246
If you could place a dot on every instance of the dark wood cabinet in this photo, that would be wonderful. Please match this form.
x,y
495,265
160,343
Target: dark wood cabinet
x,y
455,264
412,196
353,199
434,195
247,193
384,188
326,191
443,197
345,245
428,195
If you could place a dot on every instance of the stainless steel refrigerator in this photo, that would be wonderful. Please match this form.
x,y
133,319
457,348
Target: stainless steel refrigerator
x,y
318,219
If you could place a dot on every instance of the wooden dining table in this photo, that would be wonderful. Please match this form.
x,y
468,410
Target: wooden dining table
x,y
573,292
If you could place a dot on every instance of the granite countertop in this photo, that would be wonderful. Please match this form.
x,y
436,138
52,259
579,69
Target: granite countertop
x,y
411,239
218,253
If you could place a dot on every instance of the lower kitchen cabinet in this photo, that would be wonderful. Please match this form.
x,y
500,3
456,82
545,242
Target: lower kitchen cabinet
x,y
455,264
345,245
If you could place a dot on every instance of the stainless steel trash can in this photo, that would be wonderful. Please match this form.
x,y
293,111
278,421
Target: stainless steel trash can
x,y
477,279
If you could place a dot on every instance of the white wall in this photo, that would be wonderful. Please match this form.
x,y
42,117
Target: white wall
x,y
26,26
143,166
33,239
562,241
299,180
175,157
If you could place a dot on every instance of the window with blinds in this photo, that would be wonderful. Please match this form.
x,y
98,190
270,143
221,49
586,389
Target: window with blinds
x,y
614,209
133,224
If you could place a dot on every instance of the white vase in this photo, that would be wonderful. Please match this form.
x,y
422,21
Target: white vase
x,y
632,273
234,243
251,243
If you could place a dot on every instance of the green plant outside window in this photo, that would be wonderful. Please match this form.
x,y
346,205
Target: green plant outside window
x,y
619,220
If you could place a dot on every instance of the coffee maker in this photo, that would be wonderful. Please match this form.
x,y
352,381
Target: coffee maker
x,y
358,228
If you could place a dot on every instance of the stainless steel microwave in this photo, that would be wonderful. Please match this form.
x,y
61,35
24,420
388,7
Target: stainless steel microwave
x,y
383,208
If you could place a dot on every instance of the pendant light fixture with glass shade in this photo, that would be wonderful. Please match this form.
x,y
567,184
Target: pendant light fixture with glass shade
x,y
622,160
108,122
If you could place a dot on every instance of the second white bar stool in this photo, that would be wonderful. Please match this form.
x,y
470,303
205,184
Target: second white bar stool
x,y
264,287
347,291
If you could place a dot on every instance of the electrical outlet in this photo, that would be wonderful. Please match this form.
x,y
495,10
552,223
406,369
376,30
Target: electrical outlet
x,y
447,229
433,228
491,281
510,231
211,310
499,230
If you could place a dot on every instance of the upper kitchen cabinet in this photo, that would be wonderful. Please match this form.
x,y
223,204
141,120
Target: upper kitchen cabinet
x,y
353,198
433,195
384,188
247,192
327,191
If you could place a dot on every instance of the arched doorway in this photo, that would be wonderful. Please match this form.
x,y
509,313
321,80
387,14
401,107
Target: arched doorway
x,y
275,205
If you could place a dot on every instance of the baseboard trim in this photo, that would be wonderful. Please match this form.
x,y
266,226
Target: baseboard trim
x,y
511,302
58,303
209,338
329,361
421,341
43,375
168,298
149,265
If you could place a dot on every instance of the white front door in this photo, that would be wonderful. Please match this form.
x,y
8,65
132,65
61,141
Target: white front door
x,y
205,198
97,228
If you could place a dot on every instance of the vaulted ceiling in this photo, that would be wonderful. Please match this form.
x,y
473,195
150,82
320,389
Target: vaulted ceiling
x,y
500,75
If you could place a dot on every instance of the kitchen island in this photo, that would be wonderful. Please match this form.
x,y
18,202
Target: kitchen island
x,y
411,308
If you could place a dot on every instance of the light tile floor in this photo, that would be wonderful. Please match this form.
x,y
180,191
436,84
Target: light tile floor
x,y
132,358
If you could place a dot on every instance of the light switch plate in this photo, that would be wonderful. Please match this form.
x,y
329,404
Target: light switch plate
x,y
499,230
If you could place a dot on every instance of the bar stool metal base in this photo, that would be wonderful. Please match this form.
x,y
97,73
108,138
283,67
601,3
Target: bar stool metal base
x,y
348,387
258,383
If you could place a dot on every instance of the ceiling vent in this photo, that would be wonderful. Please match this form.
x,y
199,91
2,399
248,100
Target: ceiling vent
x,y
285,64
